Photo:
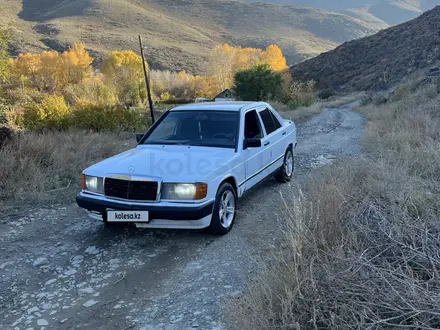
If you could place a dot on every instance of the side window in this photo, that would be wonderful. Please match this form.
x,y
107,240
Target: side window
x,y
275,120
252,127
268,122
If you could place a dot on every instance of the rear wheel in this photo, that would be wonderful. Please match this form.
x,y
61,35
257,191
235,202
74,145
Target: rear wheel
x,y
285,173
224,212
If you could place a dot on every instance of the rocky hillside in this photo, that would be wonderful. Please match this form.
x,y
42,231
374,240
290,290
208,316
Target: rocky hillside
x,y
375,12
178,34
381,59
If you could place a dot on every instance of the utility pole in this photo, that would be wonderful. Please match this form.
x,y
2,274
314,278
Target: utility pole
x,y
147,80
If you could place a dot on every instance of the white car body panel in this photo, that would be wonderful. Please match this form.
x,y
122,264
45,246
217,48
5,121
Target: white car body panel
x,y
192,164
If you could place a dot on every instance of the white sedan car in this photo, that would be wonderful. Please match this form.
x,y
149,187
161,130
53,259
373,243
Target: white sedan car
x,y
190,168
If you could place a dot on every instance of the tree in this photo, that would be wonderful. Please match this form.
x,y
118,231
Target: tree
x,y
27,68
51,71
258,83
275,58
4,56
225,61
123,69
74,65
221,66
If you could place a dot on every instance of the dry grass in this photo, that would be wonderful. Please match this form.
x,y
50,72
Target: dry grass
x,y
46,167
362,240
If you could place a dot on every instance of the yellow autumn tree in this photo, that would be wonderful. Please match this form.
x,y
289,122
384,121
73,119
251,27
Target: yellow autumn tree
x,y
74,65
124,71
51,71
225,61
247,57
221,66
273,55
26,68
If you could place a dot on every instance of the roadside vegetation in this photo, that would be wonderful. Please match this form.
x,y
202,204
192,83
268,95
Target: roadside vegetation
x,y
361,246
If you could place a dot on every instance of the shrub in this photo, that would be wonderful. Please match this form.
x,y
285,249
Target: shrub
x,y
302,94
258,83
21,96
176,101
106,118
6,135
326,94
90,91
51,113
15,118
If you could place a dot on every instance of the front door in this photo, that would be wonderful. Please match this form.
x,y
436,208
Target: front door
x,y
254,157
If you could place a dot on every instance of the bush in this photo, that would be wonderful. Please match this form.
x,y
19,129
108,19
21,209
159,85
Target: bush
x,y
258,83
326,94
14,118
90,91
106,118
302,94
6,135
23,96
176,101
51,113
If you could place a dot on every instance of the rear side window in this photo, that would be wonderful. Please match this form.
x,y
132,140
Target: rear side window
x,y
275,121
270,122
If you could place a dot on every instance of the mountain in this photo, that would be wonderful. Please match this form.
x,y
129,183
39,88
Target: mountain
x,y
383,58
178,33
378,12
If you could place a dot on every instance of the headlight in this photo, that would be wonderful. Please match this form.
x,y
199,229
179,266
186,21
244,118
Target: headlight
x,y
93,184
184,191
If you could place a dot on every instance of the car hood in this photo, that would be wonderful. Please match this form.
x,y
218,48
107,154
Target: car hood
x,y
169,163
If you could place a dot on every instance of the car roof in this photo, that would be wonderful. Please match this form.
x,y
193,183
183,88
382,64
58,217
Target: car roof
x,y
219,106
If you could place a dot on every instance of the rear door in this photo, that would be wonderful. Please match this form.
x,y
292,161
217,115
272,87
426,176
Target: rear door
x,y
274,144
253,157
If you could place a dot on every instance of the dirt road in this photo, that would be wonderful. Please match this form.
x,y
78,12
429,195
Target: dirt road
x,y
61,270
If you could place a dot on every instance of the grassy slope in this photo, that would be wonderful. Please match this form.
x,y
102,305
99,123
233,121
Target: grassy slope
x,y
388,56
179,34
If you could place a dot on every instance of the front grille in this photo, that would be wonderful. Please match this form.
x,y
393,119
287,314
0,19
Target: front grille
x,y
116,188
131,190
142,190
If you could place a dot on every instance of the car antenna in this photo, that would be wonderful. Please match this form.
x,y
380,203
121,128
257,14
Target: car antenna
x,y
147,80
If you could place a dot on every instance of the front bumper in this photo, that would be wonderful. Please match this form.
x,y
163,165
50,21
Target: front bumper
x,y
167,213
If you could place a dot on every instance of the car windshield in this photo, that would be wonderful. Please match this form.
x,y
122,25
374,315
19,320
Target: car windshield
x,y
196,128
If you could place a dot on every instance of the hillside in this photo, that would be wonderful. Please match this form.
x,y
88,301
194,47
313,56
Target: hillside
x,y
386,57
376,12
178,33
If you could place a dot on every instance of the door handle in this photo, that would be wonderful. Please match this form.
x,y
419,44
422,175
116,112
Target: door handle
x,y
267,143
284,133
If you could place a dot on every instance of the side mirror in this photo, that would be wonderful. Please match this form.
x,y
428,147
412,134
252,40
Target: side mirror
x,y
251,143
139,137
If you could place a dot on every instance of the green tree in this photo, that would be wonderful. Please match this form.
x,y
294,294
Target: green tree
x,y
258,83
4,55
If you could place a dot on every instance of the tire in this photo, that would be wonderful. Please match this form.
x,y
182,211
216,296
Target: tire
x,y
225,210
285,173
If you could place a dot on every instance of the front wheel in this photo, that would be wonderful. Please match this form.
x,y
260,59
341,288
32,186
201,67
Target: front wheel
x,y
224,212
285,173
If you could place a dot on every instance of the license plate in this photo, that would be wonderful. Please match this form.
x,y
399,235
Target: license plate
x,y
128,216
